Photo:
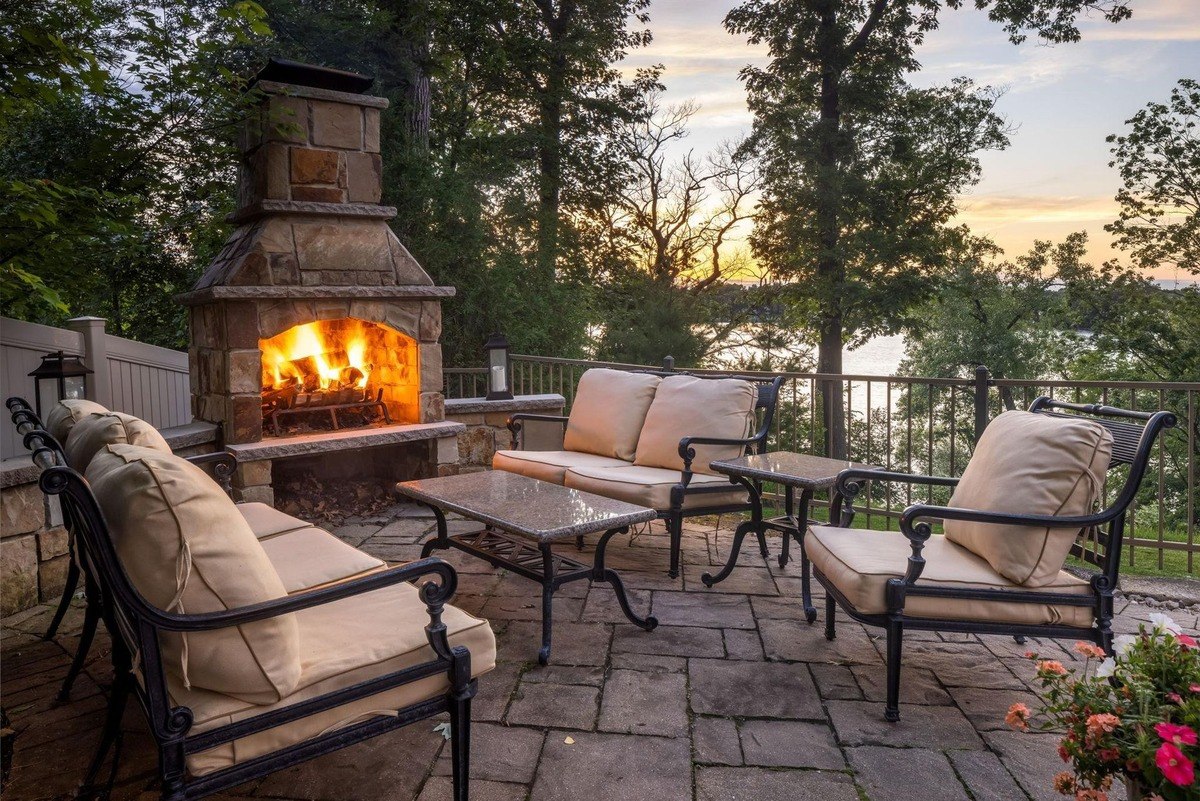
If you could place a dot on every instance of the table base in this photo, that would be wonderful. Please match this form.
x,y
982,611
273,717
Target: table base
x,y
537,562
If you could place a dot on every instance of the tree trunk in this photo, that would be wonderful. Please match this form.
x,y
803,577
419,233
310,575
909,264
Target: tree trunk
x,y
550,137
831,271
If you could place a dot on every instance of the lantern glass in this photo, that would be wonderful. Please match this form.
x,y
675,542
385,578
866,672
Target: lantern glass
x,y
75,387
498,370
47,394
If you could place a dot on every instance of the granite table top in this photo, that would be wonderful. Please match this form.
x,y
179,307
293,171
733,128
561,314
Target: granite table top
x,y
790,469
522,505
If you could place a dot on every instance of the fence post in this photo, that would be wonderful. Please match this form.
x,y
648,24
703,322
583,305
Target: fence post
x,y
669,363
982,381
95,356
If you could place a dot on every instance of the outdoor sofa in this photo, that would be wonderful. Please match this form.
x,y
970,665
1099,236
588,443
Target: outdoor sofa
x,y
996,570
252,640
648,437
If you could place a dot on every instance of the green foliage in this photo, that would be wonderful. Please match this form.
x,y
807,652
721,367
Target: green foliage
x,y
1159,163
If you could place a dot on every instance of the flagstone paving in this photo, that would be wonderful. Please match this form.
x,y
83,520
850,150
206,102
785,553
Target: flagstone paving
x,y
734,696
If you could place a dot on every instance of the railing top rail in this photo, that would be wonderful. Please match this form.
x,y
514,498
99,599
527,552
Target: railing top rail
x,y
1193,386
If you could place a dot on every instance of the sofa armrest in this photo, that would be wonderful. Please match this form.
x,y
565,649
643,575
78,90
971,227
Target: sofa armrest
x,y
516,425
850,483
223,465
688,453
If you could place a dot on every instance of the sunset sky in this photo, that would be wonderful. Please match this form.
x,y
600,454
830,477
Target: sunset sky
x,y
1062,101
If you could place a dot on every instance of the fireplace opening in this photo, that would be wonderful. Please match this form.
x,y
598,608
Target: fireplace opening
x,y
335,374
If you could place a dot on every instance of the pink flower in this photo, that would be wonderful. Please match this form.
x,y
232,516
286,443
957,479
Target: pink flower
x,y
1194,688
1175,767
1063,753
1176,733
1175,698
1018,717
1052,666
1110,754
1185,640
1089,650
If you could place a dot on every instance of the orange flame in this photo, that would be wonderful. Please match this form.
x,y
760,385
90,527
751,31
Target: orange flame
x,y
282,354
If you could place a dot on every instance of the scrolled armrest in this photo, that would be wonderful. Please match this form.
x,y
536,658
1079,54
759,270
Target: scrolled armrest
x,y
514,424
688,453
223,464
850,483
920,511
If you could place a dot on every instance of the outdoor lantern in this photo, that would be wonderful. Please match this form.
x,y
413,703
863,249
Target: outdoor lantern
x,y
58,377
497,362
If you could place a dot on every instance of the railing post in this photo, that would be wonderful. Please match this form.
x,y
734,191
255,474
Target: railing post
x,y
95,356
669,363
982,382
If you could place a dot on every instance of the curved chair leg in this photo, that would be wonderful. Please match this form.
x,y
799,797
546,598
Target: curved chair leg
x,y
91,621
895,638
65,602
830,616
122,684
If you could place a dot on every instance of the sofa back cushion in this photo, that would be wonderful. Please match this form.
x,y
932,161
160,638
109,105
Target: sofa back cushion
x,y
609,410
686,406
95,432
1029,463
65,414
187,549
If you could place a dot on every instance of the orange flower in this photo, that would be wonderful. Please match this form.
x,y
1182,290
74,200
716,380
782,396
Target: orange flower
x,y
1091,795
1064,783
1018,716
1052,666
1089,650
1099,725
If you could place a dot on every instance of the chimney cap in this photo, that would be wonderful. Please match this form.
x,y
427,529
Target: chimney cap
x,y
281,70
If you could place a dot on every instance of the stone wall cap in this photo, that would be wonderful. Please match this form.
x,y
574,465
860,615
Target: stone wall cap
x,y
521,403
189,435
315,93
268,207
210,294
17,471
347,440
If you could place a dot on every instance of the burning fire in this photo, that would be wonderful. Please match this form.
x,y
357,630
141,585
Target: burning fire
x,y
312,358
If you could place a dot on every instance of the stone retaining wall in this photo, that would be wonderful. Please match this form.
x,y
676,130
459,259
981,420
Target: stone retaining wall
x,y
486,423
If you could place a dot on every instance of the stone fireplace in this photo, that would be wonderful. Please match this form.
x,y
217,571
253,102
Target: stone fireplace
x,y
314,329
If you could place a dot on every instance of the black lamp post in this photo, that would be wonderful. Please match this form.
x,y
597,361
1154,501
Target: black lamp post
x,y
498,385
58,377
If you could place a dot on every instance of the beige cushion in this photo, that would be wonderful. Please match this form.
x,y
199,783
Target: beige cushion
x,y
65,414
266,521
549,465
650,486
343,643
186,549
102,429
686,406
311,557
608,412
859,564
1029,463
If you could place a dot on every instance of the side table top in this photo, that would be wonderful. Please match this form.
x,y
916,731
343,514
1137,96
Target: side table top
x,y
785,467
522,505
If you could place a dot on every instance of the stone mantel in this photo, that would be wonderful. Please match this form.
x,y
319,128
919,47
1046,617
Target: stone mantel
x,y
209,294
261,208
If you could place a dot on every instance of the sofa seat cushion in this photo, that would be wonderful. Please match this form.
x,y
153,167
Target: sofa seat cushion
x,y
650,486
343,643
549,465
311,557
1036,464
859,564
266,521
686,406
187,549
608,412
65,414
96,431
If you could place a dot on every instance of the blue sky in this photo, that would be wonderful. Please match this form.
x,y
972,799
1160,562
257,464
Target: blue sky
x,y
1062,101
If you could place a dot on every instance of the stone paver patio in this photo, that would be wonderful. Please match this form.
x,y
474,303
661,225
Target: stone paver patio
x,y
733,697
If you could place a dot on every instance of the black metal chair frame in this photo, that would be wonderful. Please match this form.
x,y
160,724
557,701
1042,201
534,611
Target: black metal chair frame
x,y
1132,445
222,464
136,626
673,515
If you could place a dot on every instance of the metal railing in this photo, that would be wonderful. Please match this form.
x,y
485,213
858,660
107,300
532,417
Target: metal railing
x,y
929,425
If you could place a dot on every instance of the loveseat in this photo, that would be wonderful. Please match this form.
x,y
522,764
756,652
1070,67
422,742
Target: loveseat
x,y
648,437
252,639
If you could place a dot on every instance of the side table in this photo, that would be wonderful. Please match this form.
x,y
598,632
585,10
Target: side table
x,y
794,471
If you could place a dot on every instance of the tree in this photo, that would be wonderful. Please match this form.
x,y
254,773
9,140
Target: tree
x,y
860,170
1159,164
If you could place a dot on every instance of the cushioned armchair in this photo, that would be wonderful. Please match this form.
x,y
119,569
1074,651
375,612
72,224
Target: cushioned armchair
x,y
1030,496
245,662
648,437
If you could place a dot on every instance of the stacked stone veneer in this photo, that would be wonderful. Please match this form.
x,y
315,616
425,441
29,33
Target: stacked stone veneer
x,y
312,243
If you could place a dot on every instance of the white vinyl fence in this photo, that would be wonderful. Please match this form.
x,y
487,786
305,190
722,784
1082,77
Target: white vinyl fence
x,y
132,377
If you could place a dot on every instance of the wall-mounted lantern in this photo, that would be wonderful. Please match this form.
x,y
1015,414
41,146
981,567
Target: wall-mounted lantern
x,y
58,377
499,387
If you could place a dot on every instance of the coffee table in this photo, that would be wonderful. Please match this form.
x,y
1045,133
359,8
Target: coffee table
x,y
794,471
522,517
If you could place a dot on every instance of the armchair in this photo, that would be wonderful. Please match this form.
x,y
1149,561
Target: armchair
x,y
976,577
